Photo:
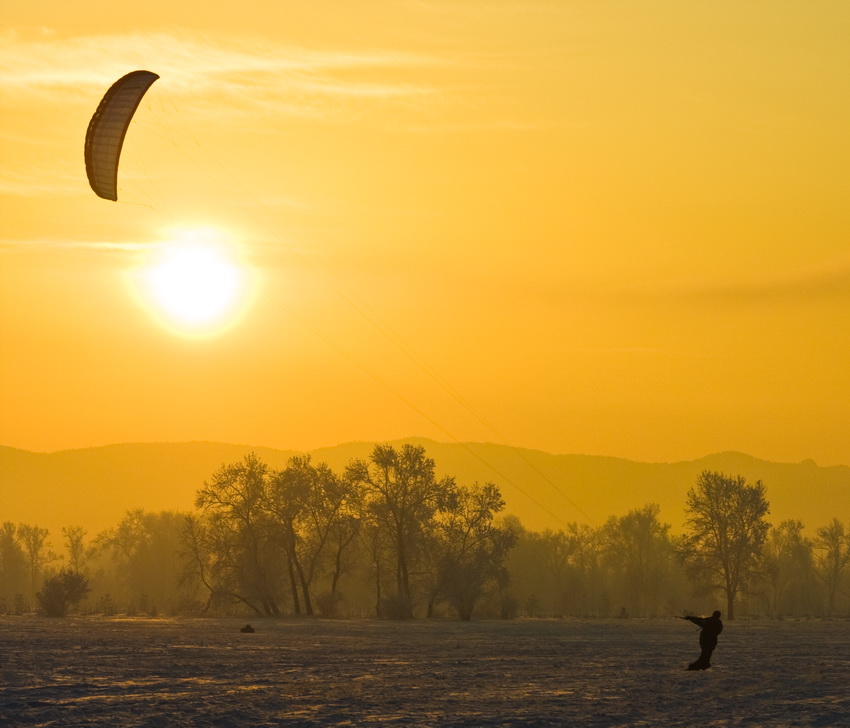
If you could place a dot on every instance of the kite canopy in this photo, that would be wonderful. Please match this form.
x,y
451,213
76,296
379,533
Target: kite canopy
x,y
105,135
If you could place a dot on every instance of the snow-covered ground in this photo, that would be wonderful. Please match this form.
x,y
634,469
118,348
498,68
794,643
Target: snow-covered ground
x,y
301,672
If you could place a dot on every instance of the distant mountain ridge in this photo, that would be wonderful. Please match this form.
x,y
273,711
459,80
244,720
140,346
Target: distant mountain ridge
x,y
95,487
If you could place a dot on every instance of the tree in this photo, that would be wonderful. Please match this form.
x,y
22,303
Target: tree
x,y
143,548
243,559
472,547
78,554
787,569
833,555
61,591
342,537
379,549
533,587
558,549
37,551
727,528
13,568
198,559
310,509
402,497
637,546
585,549
285,499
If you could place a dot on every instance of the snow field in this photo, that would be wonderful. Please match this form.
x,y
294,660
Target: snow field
x,y
311,672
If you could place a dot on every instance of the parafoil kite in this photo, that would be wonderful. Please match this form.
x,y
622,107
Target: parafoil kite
x,y
107,128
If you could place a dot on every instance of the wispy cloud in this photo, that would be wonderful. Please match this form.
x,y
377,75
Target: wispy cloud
x,y
249,81
45,65
32,182
817,281
249,76
823,280
827,280
66,245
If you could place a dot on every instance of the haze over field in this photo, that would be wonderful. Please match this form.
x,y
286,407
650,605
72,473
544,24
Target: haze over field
x,y
611,228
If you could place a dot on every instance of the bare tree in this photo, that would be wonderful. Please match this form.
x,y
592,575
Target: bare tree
x,y
237,534
727,528
310,509
558,551
472,547
638,548
37,551
143,549
343,532
402,496
196,554
787,569
78,555
560,572
13,569
833,555
378,546
284,500
585,553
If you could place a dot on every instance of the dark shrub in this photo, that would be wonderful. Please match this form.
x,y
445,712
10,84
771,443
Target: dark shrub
x,y
62,591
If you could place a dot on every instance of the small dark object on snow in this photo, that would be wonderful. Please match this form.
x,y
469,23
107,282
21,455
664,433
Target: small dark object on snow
x,y
248,629
710,628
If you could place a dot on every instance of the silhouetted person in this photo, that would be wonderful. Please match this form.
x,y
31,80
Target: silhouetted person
x,y
710,628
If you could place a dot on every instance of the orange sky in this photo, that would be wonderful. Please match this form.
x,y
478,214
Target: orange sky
x,y
608,228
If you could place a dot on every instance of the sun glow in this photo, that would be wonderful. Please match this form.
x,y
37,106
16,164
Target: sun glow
x,y
195,284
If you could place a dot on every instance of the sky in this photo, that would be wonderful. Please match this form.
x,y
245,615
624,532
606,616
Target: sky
x,y
608,227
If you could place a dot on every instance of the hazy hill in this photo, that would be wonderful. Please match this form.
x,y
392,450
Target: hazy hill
x,y
94,487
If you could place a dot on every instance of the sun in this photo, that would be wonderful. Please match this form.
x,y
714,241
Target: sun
x,y
194,284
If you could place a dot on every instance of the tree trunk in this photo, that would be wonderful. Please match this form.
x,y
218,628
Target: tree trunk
x,y
293,583
305,589
335,579
404,584
378,595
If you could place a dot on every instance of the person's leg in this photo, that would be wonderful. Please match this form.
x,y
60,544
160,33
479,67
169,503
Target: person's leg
x,y
705,657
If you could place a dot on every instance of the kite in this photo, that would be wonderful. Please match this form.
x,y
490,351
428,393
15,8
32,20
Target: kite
x,y
107,128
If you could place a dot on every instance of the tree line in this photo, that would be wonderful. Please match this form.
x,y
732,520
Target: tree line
x,y
386,537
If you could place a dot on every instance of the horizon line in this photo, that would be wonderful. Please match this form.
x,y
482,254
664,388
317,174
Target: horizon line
x,y
459,443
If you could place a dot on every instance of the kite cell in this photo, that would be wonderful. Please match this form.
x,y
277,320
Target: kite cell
x,y
107,128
